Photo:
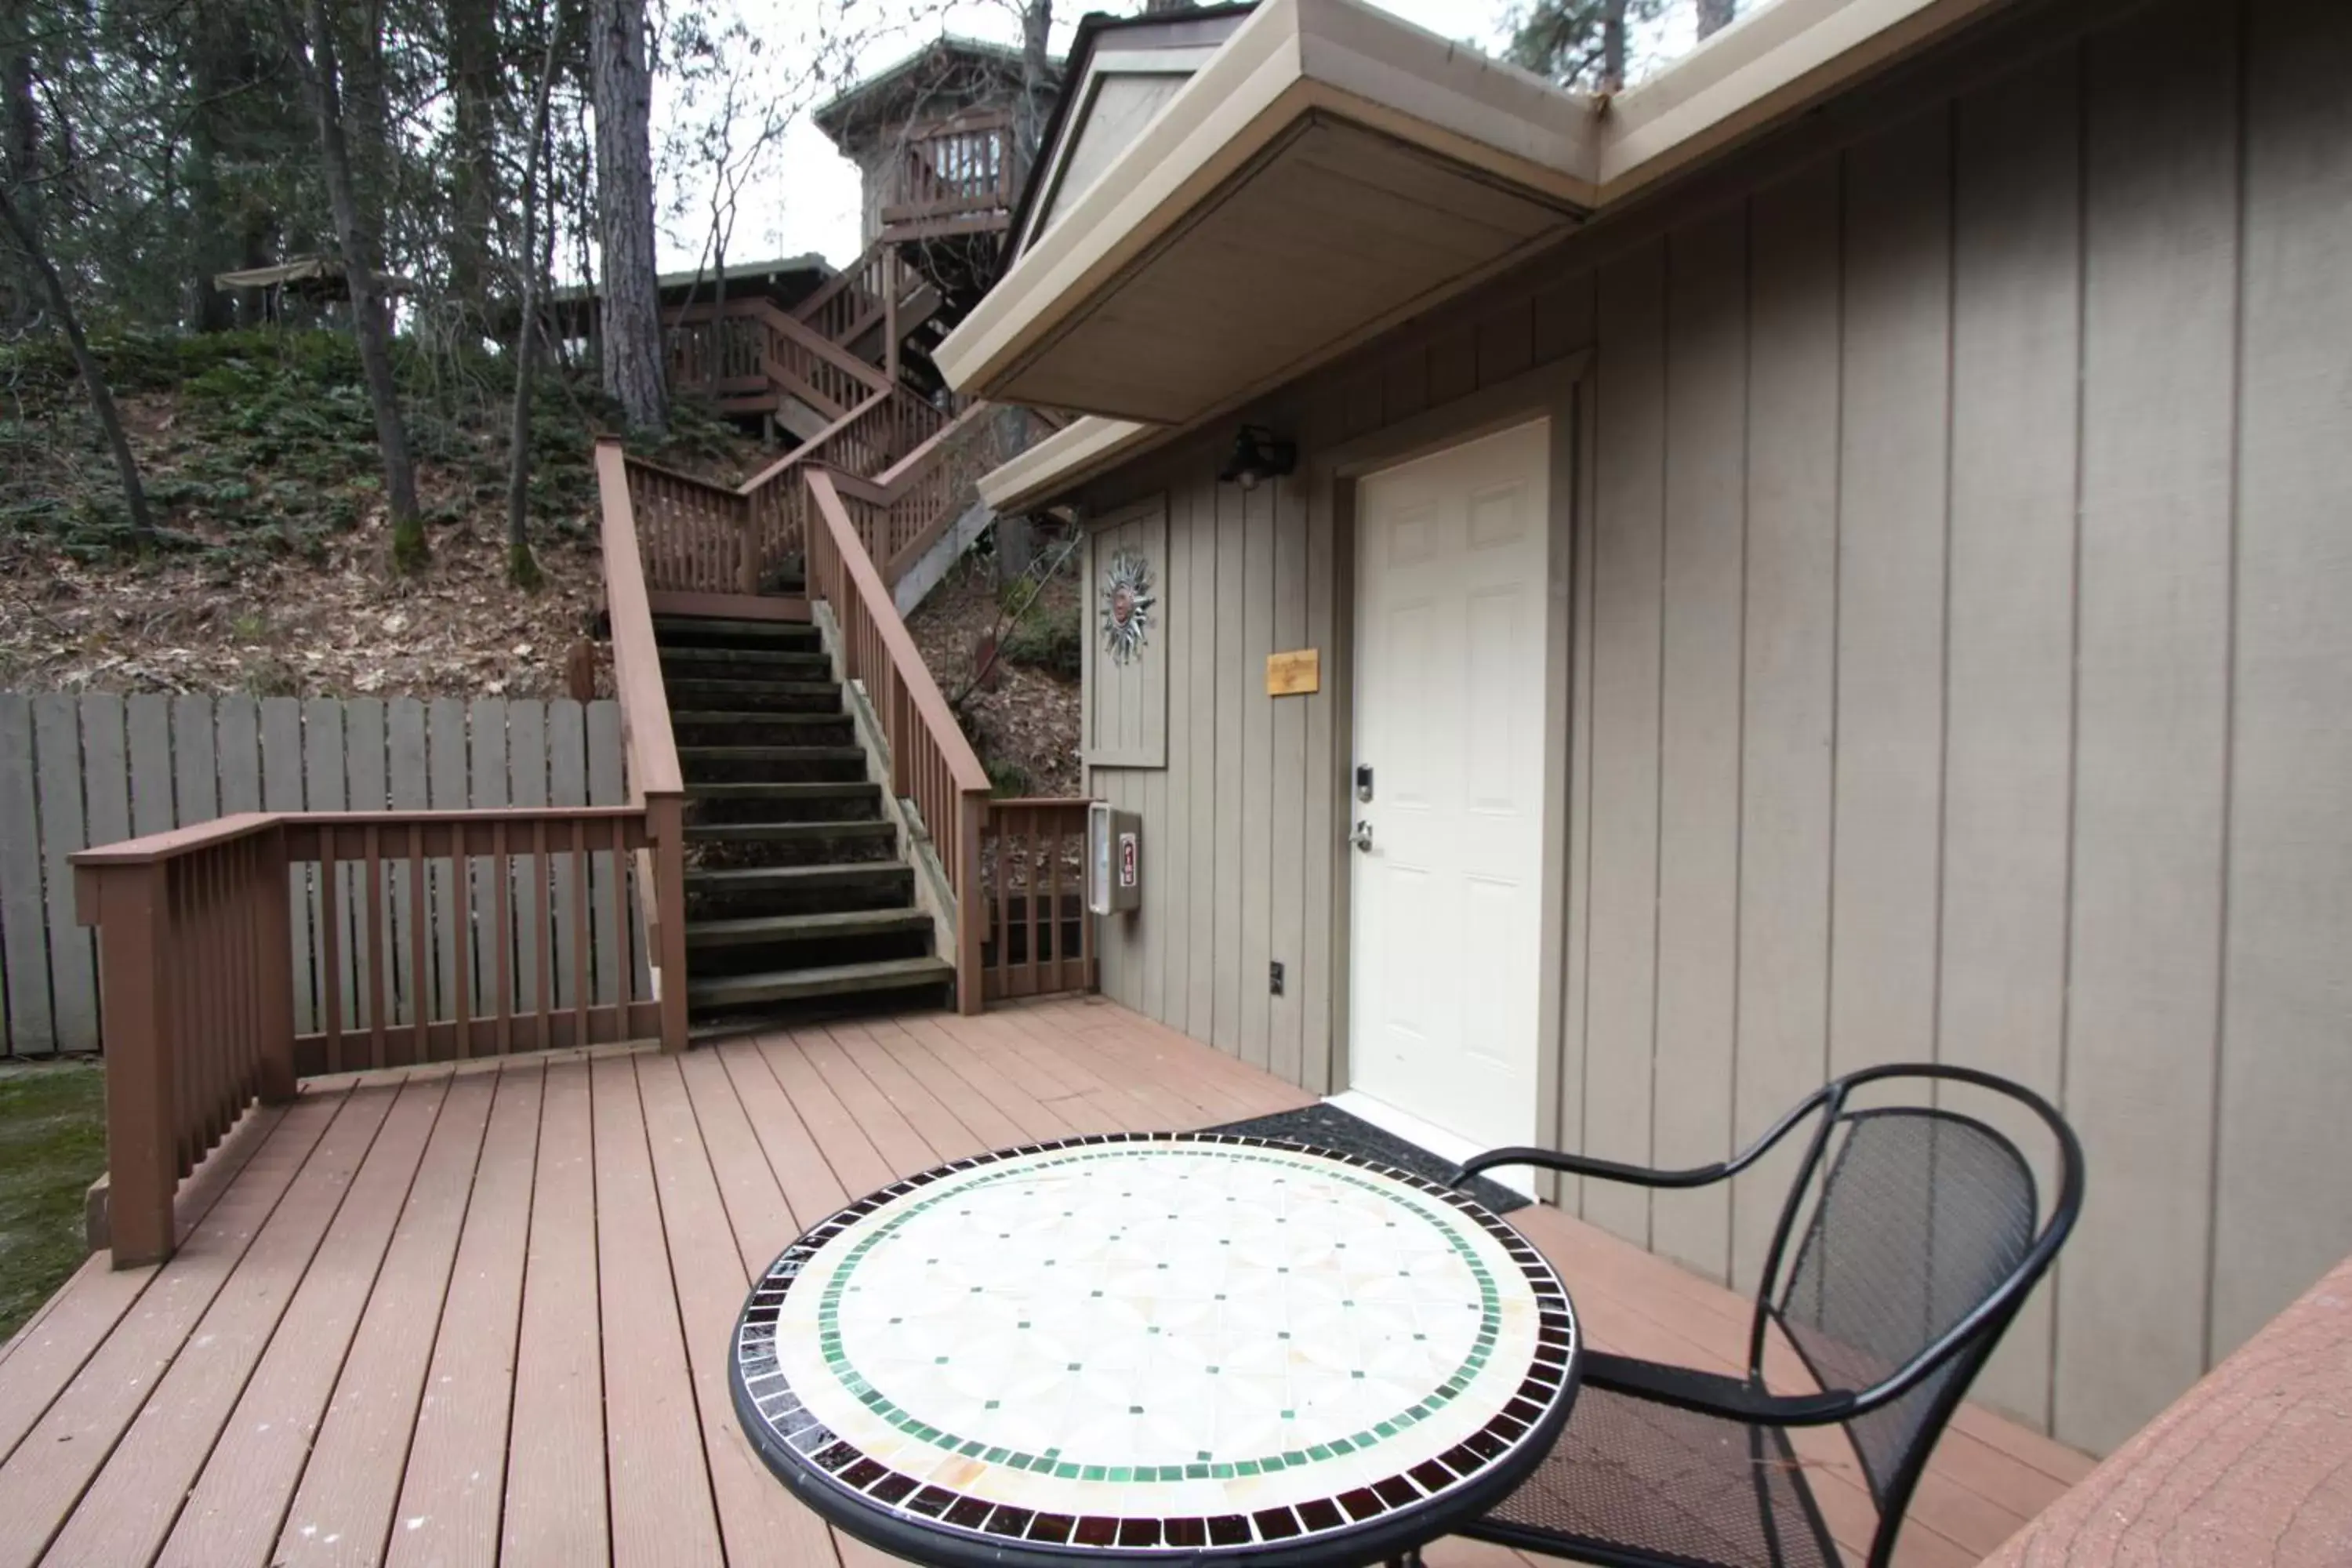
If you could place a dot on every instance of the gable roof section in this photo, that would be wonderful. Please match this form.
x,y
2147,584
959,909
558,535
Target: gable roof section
x,y
1175,36
949,63
1300,64
1329,170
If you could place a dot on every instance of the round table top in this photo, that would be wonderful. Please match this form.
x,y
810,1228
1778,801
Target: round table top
x,y
1146,1344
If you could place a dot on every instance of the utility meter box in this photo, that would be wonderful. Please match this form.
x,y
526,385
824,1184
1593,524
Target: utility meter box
x,y
1114,859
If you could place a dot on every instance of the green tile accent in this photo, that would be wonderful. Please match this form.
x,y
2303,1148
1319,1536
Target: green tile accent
x,y
840,1284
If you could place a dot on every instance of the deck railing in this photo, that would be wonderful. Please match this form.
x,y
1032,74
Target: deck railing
x,y
931,762
657,786
695,536
860,296
963,166
1038,938
196,965
748,347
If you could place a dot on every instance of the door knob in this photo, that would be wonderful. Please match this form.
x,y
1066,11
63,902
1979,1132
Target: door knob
x,y
1362,837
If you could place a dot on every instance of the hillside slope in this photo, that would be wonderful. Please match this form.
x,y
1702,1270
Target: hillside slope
x,y
259,453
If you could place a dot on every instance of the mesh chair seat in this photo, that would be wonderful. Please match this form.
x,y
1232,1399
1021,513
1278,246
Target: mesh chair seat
x,y
1904,1249
1663,1484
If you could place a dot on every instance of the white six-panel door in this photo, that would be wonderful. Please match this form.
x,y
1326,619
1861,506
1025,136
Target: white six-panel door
x,y
1449,662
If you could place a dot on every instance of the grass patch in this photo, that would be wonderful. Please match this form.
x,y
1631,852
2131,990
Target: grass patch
x,y
52,1146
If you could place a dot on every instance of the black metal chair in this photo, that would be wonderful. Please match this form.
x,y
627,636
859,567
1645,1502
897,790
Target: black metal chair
x,y
1916,1243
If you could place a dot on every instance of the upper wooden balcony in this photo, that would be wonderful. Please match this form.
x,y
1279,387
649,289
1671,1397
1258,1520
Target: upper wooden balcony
x,y
958,176
480,1312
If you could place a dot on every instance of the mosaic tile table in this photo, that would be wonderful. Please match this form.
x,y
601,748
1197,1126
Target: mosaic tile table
x,y
1199,1346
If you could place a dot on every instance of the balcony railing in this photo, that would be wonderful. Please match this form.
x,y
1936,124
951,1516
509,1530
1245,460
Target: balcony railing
x,y
196,965
957,169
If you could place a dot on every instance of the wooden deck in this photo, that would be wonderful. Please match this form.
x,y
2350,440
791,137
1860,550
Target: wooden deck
x,y
480,1314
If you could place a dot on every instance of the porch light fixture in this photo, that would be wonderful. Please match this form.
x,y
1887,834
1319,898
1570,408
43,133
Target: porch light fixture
x,y
1258,455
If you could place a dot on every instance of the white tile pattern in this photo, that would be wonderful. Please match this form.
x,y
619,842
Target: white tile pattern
x,y
1164,1329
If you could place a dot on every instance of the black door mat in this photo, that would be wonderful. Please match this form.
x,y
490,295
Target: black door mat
x,y
1329,1127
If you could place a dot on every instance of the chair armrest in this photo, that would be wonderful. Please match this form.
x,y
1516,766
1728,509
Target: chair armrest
x,y
1581,1165
1711,1393
1643,1175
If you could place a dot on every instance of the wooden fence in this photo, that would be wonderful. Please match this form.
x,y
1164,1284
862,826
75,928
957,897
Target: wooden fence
x,y
96,769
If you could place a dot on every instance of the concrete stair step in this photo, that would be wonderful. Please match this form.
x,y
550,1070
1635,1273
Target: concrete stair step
x,y
820,790
690,754
832,980
738,880
761,658
788,832
751,715
798,635
754,930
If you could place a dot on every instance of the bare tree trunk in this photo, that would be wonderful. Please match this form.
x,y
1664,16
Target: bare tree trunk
x,y
1029,114
314,60
1714,16
522,569
1613,47
471,45
93,378
630,292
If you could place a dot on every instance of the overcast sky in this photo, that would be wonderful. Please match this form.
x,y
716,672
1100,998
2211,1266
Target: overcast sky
x,y
808,200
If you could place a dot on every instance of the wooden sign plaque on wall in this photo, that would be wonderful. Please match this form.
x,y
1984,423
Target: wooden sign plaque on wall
x,y
1293,674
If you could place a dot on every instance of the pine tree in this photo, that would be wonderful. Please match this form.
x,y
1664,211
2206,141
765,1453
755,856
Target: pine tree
x,y
628,286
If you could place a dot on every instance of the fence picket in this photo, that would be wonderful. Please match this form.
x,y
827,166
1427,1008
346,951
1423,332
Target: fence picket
x,y
527,785
324,761
281,790
407,789
195,762
607,786
24,921
149,719
363,776
79,771
567,784
488,728
445,726
58,756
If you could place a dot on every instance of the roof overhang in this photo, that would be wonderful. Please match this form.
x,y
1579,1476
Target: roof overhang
x,y
1329,170
1226,250
1068,456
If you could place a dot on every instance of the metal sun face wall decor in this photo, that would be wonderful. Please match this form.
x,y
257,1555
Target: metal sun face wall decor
x,y
1128,603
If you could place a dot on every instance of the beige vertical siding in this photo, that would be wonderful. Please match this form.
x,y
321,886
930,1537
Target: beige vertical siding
x,y
1960,669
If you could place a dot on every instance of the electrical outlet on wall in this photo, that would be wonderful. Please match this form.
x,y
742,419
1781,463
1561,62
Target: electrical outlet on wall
x,y
1274,977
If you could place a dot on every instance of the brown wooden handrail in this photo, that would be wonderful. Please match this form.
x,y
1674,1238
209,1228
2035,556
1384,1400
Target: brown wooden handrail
x,y
656,783
196,959
931,762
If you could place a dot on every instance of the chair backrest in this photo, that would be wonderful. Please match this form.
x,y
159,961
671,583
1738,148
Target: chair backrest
x,y
1911,1231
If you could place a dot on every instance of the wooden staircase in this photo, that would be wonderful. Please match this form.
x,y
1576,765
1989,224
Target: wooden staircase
x,y
822,815
797,885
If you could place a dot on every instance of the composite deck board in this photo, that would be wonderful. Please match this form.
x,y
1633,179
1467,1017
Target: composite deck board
x,y
894,1138
659,1477
758,1521
811,1189
248,1484
849,1149
130,1503
399,1257
341,1506
949,1136
555,1504
453,1487
46,1352
758,1212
